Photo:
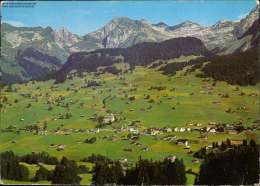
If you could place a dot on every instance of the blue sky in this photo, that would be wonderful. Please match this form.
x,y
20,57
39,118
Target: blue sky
x,y
82,17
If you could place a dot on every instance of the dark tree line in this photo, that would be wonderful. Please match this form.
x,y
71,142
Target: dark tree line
x,y
146,172
235,165
94,158
11,169
42,157
66,172
237,68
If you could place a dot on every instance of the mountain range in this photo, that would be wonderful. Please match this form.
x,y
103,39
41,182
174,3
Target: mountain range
x,y
223,37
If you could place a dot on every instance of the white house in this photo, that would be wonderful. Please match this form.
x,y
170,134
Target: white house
x,y
109,118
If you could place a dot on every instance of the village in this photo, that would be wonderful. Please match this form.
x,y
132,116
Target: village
x,y
128,117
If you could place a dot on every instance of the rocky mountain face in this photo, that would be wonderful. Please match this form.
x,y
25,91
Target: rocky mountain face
x,y
65,39
19,43
249,40
124,32
46,40
139,54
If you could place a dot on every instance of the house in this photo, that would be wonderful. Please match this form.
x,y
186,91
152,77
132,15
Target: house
x,y
187,145
145,149
123,160
168,129
181,141
212,130
109,118
195,161
60,147
155,132
133,130
171,158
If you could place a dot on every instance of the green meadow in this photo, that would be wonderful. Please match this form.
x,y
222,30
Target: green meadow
x,y
183,99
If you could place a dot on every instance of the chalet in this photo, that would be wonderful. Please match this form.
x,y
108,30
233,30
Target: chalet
x,y
145,149
153,131
253,94
195,161
181,141
171,158
109,118
123,160
212,130
133,130
169,138
168,129
60,147
187,146
212,123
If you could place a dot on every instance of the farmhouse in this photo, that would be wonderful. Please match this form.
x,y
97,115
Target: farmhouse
x,y
153,131
60,147
133,130
171,158
168,129
109,118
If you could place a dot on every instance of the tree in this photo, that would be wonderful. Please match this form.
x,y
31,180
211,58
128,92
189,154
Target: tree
x,y
11,169
237,166
42,174
66,172
45,125
145,172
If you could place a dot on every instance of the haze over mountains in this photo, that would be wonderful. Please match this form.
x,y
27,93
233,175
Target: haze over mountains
x,y
223,37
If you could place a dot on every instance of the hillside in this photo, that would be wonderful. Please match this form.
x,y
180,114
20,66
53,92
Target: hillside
x,y
36,64
140,54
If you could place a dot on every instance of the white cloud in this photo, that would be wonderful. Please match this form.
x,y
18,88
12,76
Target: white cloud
x,y
257,2
15,23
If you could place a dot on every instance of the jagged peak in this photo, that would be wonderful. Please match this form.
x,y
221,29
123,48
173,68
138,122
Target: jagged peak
x,y
189,23
48,29
161,24
64,31
184,24
224,23
121,19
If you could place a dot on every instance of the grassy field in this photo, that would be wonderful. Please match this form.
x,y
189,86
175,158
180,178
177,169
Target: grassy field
x,y
182,100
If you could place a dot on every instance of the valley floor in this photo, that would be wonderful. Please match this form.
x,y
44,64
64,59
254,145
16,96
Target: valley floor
x,y
163,111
